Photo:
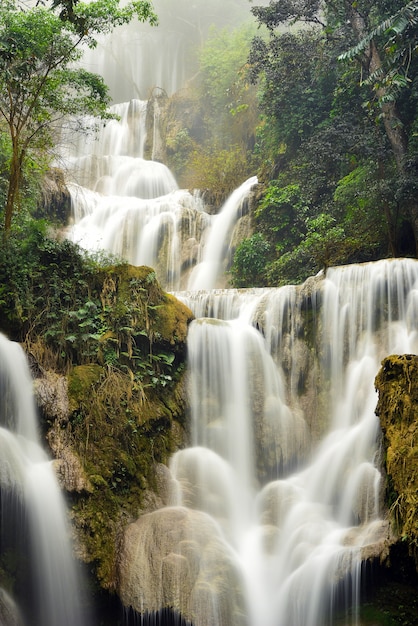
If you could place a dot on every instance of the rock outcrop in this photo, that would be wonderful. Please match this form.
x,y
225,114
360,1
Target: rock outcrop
x,y
397,409
116,413
176,557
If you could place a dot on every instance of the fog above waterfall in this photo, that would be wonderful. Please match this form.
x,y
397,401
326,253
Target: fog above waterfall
x,y
138,58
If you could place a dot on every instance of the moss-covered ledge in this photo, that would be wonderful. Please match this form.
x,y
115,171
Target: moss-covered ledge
x,y
397,409
122,407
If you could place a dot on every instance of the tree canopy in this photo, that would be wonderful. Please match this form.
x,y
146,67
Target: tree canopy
x,y
338,85
42,85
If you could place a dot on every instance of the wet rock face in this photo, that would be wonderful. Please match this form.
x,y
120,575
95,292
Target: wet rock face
x,y
397,409
176,557
55,200
9,613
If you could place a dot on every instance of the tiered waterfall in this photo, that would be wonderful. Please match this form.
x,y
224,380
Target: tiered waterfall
x,y
276,506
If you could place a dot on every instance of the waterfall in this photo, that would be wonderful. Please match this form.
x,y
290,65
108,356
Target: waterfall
x,y
279,497
296,495
277,503
132,207
33,515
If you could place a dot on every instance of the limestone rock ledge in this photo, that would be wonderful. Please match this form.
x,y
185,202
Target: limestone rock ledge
x,y
176,557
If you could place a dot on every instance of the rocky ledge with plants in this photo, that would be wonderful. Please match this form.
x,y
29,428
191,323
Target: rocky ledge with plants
x,y
107,349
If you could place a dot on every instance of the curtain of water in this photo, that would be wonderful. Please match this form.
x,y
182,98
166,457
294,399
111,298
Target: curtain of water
x,y
299,542
31,500
279,497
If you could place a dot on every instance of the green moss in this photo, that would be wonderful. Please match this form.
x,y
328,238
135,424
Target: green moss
x,y
123,432
173,320
80,380
398,412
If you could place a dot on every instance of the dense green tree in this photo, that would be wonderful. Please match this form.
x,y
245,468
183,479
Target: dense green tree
x,y
387,53
250,259
41,85
343,134
297,83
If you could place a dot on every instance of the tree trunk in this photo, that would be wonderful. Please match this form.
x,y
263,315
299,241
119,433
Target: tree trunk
x,y
392,123
15,178
391,120
372,62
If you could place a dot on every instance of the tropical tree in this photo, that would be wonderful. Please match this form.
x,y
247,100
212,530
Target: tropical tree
x,y
388,56
42,86
344,133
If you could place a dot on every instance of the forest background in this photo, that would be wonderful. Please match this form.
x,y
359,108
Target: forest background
x,y
319,99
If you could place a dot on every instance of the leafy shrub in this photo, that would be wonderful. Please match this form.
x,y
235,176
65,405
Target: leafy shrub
x,y
250,260
220,171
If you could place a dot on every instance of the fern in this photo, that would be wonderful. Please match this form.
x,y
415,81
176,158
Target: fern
x,y
396,25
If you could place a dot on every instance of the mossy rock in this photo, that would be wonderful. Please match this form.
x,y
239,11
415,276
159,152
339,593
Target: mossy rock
x,y
80,380
397,408
126,375
134,300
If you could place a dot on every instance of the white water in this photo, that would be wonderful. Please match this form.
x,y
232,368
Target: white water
x,y
297,538
133,208
285,454
30,498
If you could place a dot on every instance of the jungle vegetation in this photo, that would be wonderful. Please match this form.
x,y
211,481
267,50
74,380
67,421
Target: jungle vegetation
x,y
319,99
336,143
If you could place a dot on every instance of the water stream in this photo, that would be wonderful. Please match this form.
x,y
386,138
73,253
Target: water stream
x,y
281,487
34,524
279,497
298,521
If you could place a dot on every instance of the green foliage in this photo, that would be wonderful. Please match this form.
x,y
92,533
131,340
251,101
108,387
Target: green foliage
x,y
51,289
250,259
280,215
400,31
211,146
297,79
325,241
291,267
288,12
41,87
340,174
219,170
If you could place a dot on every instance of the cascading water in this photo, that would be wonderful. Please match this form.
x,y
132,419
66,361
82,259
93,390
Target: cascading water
x,y
32,504
133,208
300,541
277,502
